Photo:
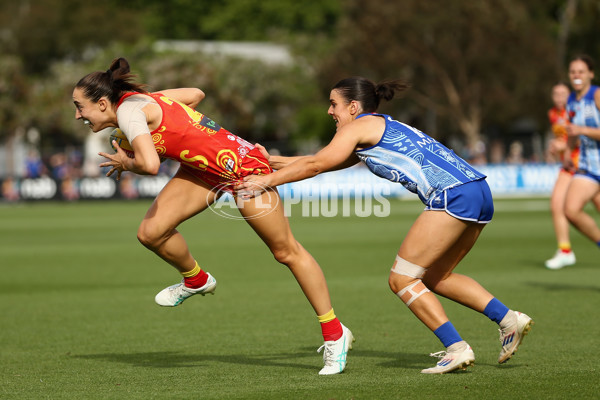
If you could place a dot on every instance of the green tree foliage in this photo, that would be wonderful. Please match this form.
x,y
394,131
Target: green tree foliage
x,y
245,20
470,62
42,31
13,93
47,45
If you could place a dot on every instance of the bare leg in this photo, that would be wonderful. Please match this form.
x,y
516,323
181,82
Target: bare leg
x,y
183,197
596,201
438,242
265,215
580,192
557,206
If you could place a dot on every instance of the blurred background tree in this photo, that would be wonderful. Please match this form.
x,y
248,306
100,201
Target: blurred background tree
x,y
476,68
471,65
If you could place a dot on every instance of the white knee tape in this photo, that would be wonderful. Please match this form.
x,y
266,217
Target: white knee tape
x,y
403,267
413,295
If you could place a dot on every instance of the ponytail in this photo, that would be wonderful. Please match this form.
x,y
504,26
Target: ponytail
x,y
367,93
113,83
387,90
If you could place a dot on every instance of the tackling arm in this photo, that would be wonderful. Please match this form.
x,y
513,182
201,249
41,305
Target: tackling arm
x,y
339,153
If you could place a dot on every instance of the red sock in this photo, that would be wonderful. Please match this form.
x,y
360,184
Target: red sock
x,y
332,330
197,280
565,247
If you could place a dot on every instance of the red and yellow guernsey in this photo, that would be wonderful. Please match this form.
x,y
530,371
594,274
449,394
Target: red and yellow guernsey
x,y
559,119
205,149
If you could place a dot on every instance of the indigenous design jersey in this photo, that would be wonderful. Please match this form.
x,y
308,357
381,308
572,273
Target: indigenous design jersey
x,y
559,119
204,148
418,162
585,113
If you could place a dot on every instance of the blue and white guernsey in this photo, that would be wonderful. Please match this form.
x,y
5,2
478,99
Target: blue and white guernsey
x,y
585,113
417,161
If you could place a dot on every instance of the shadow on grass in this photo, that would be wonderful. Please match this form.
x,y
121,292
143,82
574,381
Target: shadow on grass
x,y
552,286
173,359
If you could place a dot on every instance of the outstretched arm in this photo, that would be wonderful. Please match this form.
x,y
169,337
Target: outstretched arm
x,y
337,154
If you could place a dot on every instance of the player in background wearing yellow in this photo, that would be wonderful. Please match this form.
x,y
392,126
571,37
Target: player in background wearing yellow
x,y
583,106
458,204
166,124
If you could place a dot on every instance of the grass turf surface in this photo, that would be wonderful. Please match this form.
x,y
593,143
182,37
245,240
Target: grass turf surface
x,y
79,321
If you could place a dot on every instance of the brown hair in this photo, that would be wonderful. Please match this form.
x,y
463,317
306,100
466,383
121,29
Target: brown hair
x,y
367,93
113,83
586,59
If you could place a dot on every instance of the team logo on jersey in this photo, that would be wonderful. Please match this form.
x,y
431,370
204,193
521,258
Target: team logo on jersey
x,y
243,151
196,162
227,160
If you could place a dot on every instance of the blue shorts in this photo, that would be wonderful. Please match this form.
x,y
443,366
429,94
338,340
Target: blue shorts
x,y
583,173
469,202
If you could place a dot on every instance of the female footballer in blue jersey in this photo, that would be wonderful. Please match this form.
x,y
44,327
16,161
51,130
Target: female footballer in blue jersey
x,y
458,204
584,105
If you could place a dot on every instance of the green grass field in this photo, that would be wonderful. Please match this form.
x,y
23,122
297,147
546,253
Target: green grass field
x,y
78,319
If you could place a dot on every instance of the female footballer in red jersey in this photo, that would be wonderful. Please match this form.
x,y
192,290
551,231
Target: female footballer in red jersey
x,y
165,124
567,153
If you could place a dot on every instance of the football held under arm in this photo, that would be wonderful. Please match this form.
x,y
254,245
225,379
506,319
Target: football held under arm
x,y
133,122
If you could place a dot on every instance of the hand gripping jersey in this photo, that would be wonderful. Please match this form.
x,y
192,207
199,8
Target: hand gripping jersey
x,y
204,148
585,113
418,162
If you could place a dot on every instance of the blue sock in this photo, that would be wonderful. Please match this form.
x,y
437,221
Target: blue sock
x,y
495,310
447,334
598,243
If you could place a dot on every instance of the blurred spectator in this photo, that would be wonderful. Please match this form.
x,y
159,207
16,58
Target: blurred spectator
x,y
477,153
10,192
34,166
515,153
58,166
497,152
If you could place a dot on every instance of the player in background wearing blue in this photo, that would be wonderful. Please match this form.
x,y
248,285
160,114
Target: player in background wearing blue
x,y
458,204
584,106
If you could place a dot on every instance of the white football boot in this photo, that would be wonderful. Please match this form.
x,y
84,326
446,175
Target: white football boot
x,y
176,294
561,260
517,325
335,353
457,356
